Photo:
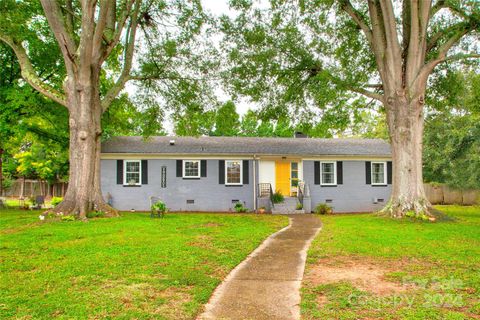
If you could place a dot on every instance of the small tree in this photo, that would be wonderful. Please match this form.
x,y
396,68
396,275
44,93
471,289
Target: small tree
x,y
227,120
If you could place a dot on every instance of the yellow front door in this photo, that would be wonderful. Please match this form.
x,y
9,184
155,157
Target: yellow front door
x,y
282,177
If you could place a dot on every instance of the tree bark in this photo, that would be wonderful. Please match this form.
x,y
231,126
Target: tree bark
x,y
406,123
84,193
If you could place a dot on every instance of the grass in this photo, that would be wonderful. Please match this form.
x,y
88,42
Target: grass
x,y
122,268
442,260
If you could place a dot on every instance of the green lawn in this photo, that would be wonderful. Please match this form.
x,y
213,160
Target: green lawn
x,y
122,268
436,267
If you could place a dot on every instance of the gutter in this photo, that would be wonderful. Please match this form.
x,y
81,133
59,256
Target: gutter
x,y
254,182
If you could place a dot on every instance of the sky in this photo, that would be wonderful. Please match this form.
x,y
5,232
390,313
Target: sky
x,y
217,7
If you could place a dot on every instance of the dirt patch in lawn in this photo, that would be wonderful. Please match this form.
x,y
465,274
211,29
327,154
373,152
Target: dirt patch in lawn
x,y
202,241
175,300
365,274
149,298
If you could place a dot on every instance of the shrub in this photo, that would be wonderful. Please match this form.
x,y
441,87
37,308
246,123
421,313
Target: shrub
x,y
299,206
68,218
278,197
55,201
239,207
159,206
323,208
7,182
96,214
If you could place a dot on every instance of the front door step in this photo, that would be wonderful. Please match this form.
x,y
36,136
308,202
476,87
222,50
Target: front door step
x,y
288,206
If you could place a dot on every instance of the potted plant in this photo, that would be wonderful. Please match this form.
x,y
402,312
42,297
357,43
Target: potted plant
x,y
261,210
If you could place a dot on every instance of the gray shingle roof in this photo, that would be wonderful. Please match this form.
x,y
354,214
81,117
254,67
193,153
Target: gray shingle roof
x,y
247,146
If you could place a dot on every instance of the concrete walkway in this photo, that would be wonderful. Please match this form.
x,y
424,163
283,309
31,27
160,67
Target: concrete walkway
x,y
266,285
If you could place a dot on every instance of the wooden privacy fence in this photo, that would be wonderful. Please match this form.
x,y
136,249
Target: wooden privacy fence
x,y
32,188
440,194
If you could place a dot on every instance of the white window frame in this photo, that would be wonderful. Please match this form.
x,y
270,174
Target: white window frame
x,y
241,173
199,169
125,182
384,173
334,173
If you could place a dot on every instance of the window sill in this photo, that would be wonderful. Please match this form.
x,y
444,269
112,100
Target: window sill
x,y
131,185
379,185
191,178
328,185
233,185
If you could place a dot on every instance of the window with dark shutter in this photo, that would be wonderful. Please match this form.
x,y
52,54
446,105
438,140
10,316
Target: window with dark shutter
x,y
144,171
245,171
368,172
316,172
221,171
389,172
339,172
203,168
179,168
119,171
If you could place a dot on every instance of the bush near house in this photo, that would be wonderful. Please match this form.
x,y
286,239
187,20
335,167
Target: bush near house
x,y
323,208
240,208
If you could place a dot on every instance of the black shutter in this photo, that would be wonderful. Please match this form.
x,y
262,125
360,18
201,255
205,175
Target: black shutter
x,y
144,171
339,172
203,168
368,172
221,171
119,171
316,172
389,172
245,171
179,168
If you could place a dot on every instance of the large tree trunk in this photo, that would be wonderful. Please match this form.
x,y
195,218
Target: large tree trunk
x,y
84,193
405,123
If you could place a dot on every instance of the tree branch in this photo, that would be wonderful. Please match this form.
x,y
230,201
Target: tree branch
x,y
100,28
368,93
437,7
358,18
128,58
55,18
119,28
462,56
379,42
393,52
442,4
29,74
442,53
440,34
415,54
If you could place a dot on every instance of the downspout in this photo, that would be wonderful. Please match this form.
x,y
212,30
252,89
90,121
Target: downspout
x,y
254,184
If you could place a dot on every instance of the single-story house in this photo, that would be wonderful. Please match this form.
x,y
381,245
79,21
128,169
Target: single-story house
x,y
214,173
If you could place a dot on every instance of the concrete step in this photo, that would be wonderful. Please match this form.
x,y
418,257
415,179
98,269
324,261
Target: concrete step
x,y
276,211
288,206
